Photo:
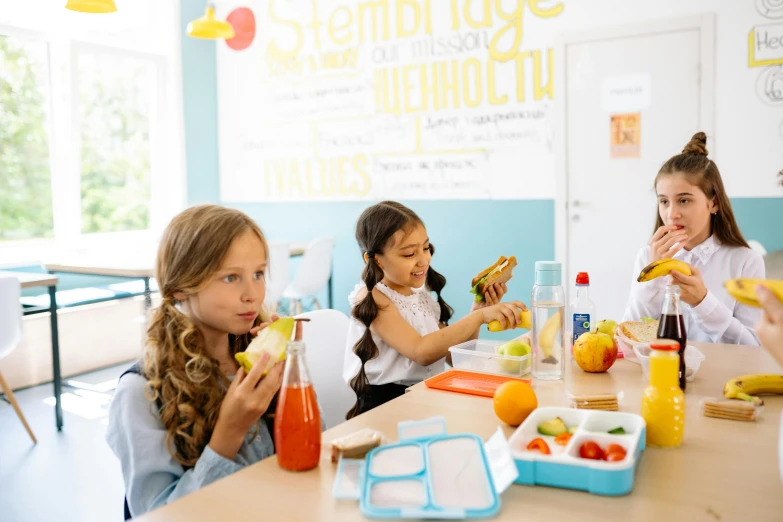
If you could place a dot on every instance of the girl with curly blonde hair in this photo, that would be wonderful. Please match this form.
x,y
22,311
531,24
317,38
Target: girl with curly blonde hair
x,y
187,414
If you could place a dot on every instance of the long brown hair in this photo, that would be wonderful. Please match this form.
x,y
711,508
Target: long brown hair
x,y
183,378
701,171
374,231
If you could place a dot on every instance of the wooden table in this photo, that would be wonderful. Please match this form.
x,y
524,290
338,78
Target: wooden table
x,y
31,280
725,470
133,269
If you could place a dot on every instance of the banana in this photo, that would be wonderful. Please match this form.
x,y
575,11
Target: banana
x,y
746,386
744,290
546,339
525,319
662,267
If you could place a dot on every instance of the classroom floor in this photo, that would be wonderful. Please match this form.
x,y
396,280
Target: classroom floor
x,y
69,476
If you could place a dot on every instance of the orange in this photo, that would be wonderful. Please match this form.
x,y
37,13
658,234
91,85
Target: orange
x,y
513,402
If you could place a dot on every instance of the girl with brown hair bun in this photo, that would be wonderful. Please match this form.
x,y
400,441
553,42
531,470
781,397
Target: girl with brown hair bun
x,y
187,414
398,334
695,224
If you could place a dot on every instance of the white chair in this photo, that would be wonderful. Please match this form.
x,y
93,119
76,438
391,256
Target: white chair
x,y
325,337
11,334
278,273
313,274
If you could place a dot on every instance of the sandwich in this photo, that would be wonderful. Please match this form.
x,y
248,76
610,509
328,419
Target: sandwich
x,y
500,272
640,331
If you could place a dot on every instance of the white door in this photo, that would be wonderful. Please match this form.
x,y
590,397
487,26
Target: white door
x,y
609,205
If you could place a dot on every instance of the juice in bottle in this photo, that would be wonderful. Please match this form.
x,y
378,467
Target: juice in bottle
x,y
672,326
663,402
297,418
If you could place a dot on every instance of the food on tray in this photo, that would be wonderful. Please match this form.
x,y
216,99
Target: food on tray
x,y
355,445
591,450
563,439
617,431
499,272
539,444
553,427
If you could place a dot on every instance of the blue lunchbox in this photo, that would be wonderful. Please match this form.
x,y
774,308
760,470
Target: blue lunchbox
x,y
564,468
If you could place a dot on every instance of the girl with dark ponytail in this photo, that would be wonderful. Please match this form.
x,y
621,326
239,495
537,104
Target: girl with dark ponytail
x,y
694,223
399,333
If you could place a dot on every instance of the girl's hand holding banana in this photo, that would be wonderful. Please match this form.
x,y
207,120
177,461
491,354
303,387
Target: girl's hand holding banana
x,y
662,244
770,326
692,289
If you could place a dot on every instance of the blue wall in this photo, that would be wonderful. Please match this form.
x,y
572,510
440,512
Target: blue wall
x,y
469,234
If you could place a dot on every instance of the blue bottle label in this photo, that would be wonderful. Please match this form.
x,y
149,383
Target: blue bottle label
x,y
581,325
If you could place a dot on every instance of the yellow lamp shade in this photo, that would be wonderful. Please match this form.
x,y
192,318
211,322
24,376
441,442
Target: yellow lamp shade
x,y
91,6
209,28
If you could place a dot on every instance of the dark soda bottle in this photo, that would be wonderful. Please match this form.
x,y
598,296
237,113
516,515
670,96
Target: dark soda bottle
x,y
672,325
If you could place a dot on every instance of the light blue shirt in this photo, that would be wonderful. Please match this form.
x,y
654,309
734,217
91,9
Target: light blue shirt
x,y
152,477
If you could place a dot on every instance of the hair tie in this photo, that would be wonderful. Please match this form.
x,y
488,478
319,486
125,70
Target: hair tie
x,y
370,254
167,300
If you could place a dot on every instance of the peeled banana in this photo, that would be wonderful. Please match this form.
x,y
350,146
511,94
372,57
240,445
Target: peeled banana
x,y
744,290
547,337
662,267
747,386
273,339
525,319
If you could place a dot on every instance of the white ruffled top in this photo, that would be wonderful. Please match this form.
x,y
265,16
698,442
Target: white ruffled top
x,y
422,312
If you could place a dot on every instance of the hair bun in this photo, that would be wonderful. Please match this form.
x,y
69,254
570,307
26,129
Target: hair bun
x,y
697,145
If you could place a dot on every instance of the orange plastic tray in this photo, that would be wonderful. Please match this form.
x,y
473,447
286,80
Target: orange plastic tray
x,y
473,383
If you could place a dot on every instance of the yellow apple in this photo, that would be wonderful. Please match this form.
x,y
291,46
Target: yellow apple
x,y
595,352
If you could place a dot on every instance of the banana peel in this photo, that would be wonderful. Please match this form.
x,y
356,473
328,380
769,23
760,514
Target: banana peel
x,y
744,289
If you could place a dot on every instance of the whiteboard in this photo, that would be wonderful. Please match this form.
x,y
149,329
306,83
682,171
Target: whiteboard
x,y
335,100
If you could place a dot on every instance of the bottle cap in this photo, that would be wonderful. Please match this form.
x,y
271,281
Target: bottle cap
x,y
582,278
548,273
665,345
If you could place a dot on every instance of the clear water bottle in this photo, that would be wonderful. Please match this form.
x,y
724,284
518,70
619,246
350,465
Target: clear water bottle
x,y
547,303
582,311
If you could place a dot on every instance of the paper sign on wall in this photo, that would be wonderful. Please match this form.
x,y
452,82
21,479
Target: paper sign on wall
x,y
625,138
627,93
765,45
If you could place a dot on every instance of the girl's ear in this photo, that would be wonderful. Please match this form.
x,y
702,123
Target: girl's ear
x,y
378,262
713,206
180,296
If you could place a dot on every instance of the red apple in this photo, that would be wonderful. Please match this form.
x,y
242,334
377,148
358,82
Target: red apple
x,y
595,352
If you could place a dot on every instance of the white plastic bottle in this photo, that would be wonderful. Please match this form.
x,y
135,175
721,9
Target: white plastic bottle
x,y
581,314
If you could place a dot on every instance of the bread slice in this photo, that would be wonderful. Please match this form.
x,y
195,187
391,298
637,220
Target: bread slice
x,y
641,332
487,270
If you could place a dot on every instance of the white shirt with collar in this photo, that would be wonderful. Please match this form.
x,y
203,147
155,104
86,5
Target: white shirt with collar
x,y
719,318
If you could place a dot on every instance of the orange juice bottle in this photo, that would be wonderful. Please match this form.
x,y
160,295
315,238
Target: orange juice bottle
x,y
297,418
663,402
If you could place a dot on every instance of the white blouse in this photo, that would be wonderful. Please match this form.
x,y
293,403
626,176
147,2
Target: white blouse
x,y
719,318
419,310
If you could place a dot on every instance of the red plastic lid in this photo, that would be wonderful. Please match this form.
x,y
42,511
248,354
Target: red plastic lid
x,y
665,345
582,278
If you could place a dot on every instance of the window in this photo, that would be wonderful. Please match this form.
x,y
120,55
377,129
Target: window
x,y
25,176
91,127
115,115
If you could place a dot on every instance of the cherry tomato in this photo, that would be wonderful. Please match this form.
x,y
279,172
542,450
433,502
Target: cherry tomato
x,y
591,450
540,445
563,439
615,457
615,448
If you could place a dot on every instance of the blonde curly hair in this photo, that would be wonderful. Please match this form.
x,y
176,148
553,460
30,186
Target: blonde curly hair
x,y
183,378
